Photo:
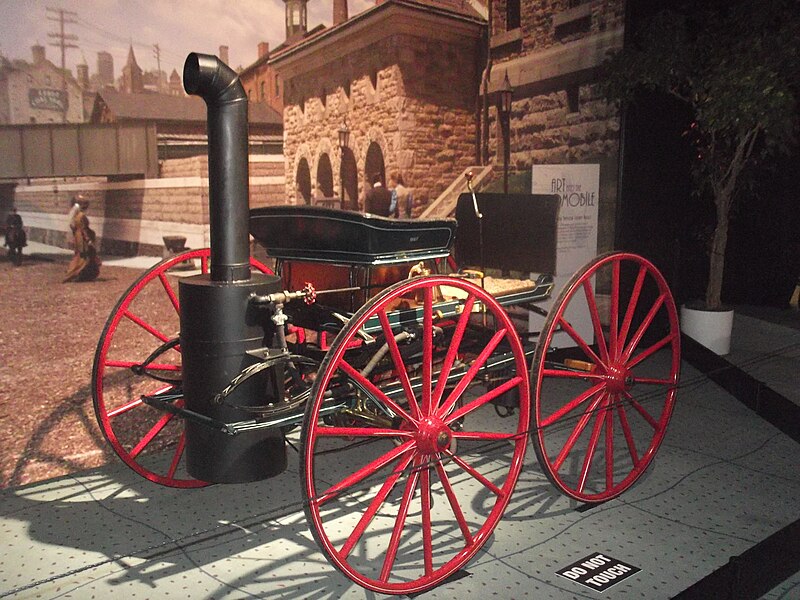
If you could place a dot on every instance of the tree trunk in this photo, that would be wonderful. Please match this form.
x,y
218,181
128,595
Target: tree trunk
x,y
716,267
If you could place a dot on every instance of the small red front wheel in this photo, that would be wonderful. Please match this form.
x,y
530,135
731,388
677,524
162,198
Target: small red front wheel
x,y
604,377
138,355
409,476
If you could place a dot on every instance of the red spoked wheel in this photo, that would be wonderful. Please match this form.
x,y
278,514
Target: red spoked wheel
x,y
604,376
407,480
138,355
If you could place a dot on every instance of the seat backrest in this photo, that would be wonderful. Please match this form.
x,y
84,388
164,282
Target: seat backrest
x,y
518,230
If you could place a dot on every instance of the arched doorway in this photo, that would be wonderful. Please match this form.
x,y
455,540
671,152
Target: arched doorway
x,y
303,181
374,164
349,178
324,178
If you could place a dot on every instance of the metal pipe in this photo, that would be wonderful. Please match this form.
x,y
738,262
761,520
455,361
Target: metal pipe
x,y
218,85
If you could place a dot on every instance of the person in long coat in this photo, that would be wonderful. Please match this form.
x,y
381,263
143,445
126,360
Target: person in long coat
x,y
85,264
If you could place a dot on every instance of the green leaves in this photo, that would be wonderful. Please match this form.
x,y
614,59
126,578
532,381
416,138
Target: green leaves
x,y
737,68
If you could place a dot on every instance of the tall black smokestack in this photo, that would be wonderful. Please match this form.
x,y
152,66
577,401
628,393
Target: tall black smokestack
x,y
228,188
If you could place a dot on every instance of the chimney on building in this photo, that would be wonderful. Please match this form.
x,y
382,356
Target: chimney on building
x,y
223,55
38,54
339,12
263,49
296,20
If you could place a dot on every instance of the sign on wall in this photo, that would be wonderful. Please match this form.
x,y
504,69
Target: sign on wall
x,y
578,186
48,99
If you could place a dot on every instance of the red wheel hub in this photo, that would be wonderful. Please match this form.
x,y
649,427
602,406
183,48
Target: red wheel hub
x,y
433,436
619,379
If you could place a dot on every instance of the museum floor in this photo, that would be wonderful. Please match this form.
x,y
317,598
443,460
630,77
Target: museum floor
x,y
714,512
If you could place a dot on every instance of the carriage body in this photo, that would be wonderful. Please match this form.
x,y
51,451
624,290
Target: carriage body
x,y
397,356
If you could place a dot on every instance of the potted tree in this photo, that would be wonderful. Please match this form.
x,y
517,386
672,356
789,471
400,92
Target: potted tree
x,y
735,66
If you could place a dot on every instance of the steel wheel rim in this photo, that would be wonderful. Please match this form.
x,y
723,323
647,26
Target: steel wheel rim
x,y
415,462
623,406
105,368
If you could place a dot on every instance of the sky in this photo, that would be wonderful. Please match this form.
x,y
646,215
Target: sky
x,y
177,26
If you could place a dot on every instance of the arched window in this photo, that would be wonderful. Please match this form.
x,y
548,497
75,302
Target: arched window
x,y
512,14
303,182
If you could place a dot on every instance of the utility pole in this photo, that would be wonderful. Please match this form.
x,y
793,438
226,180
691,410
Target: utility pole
x,y
63,40
157,54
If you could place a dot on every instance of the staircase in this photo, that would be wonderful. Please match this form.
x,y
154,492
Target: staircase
x,y
445,205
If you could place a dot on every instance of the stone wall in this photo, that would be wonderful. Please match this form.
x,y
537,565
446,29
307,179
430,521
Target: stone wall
x,y
560,114
131,217
412,97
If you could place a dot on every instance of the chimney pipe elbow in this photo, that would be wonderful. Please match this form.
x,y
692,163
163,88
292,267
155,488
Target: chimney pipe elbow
x,y
215,82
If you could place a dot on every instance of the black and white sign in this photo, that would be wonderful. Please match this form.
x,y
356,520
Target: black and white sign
x,y
598,571
47,99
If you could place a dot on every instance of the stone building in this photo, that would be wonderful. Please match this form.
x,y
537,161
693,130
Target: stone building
x,y
261,81
551,51
402,77
38,92
416,83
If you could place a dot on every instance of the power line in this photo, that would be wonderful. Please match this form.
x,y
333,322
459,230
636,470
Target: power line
x,y
64,41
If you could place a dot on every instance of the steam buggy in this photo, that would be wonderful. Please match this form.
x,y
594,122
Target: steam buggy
x,y
408,380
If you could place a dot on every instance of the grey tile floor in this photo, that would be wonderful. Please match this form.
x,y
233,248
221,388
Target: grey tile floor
x,y
722,481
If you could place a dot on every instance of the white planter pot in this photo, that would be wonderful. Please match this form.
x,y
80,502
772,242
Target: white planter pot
x,y
711,328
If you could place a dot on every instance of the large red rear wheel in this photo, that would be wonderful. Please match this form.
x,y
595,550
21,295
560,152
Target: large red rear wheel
x,y
405,483
604,376
138,355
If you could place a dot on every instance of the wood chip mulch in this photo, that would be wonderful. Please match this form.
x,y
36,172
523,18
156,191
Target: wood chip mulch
x,y
48,334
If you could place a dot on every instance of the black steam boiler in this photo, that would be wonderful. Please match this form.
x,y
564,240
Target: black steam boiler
x,y
219,322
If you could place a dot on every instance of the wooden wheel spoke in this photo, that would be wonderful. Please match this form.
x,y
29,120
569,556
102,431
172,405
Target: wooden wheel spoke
x,y
631,309
146,326
399,365
572,405
427,351
151,434
399,523
577,431
640,409
469,376
374,506
485,435
645,354
452,350
475,474
173,298
570,331
362,432
488,397
595,316
427,542
590,450
454,505
648,320
653,381
613,336
176,456
609,422
361,474
378,395
127,364
626,430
